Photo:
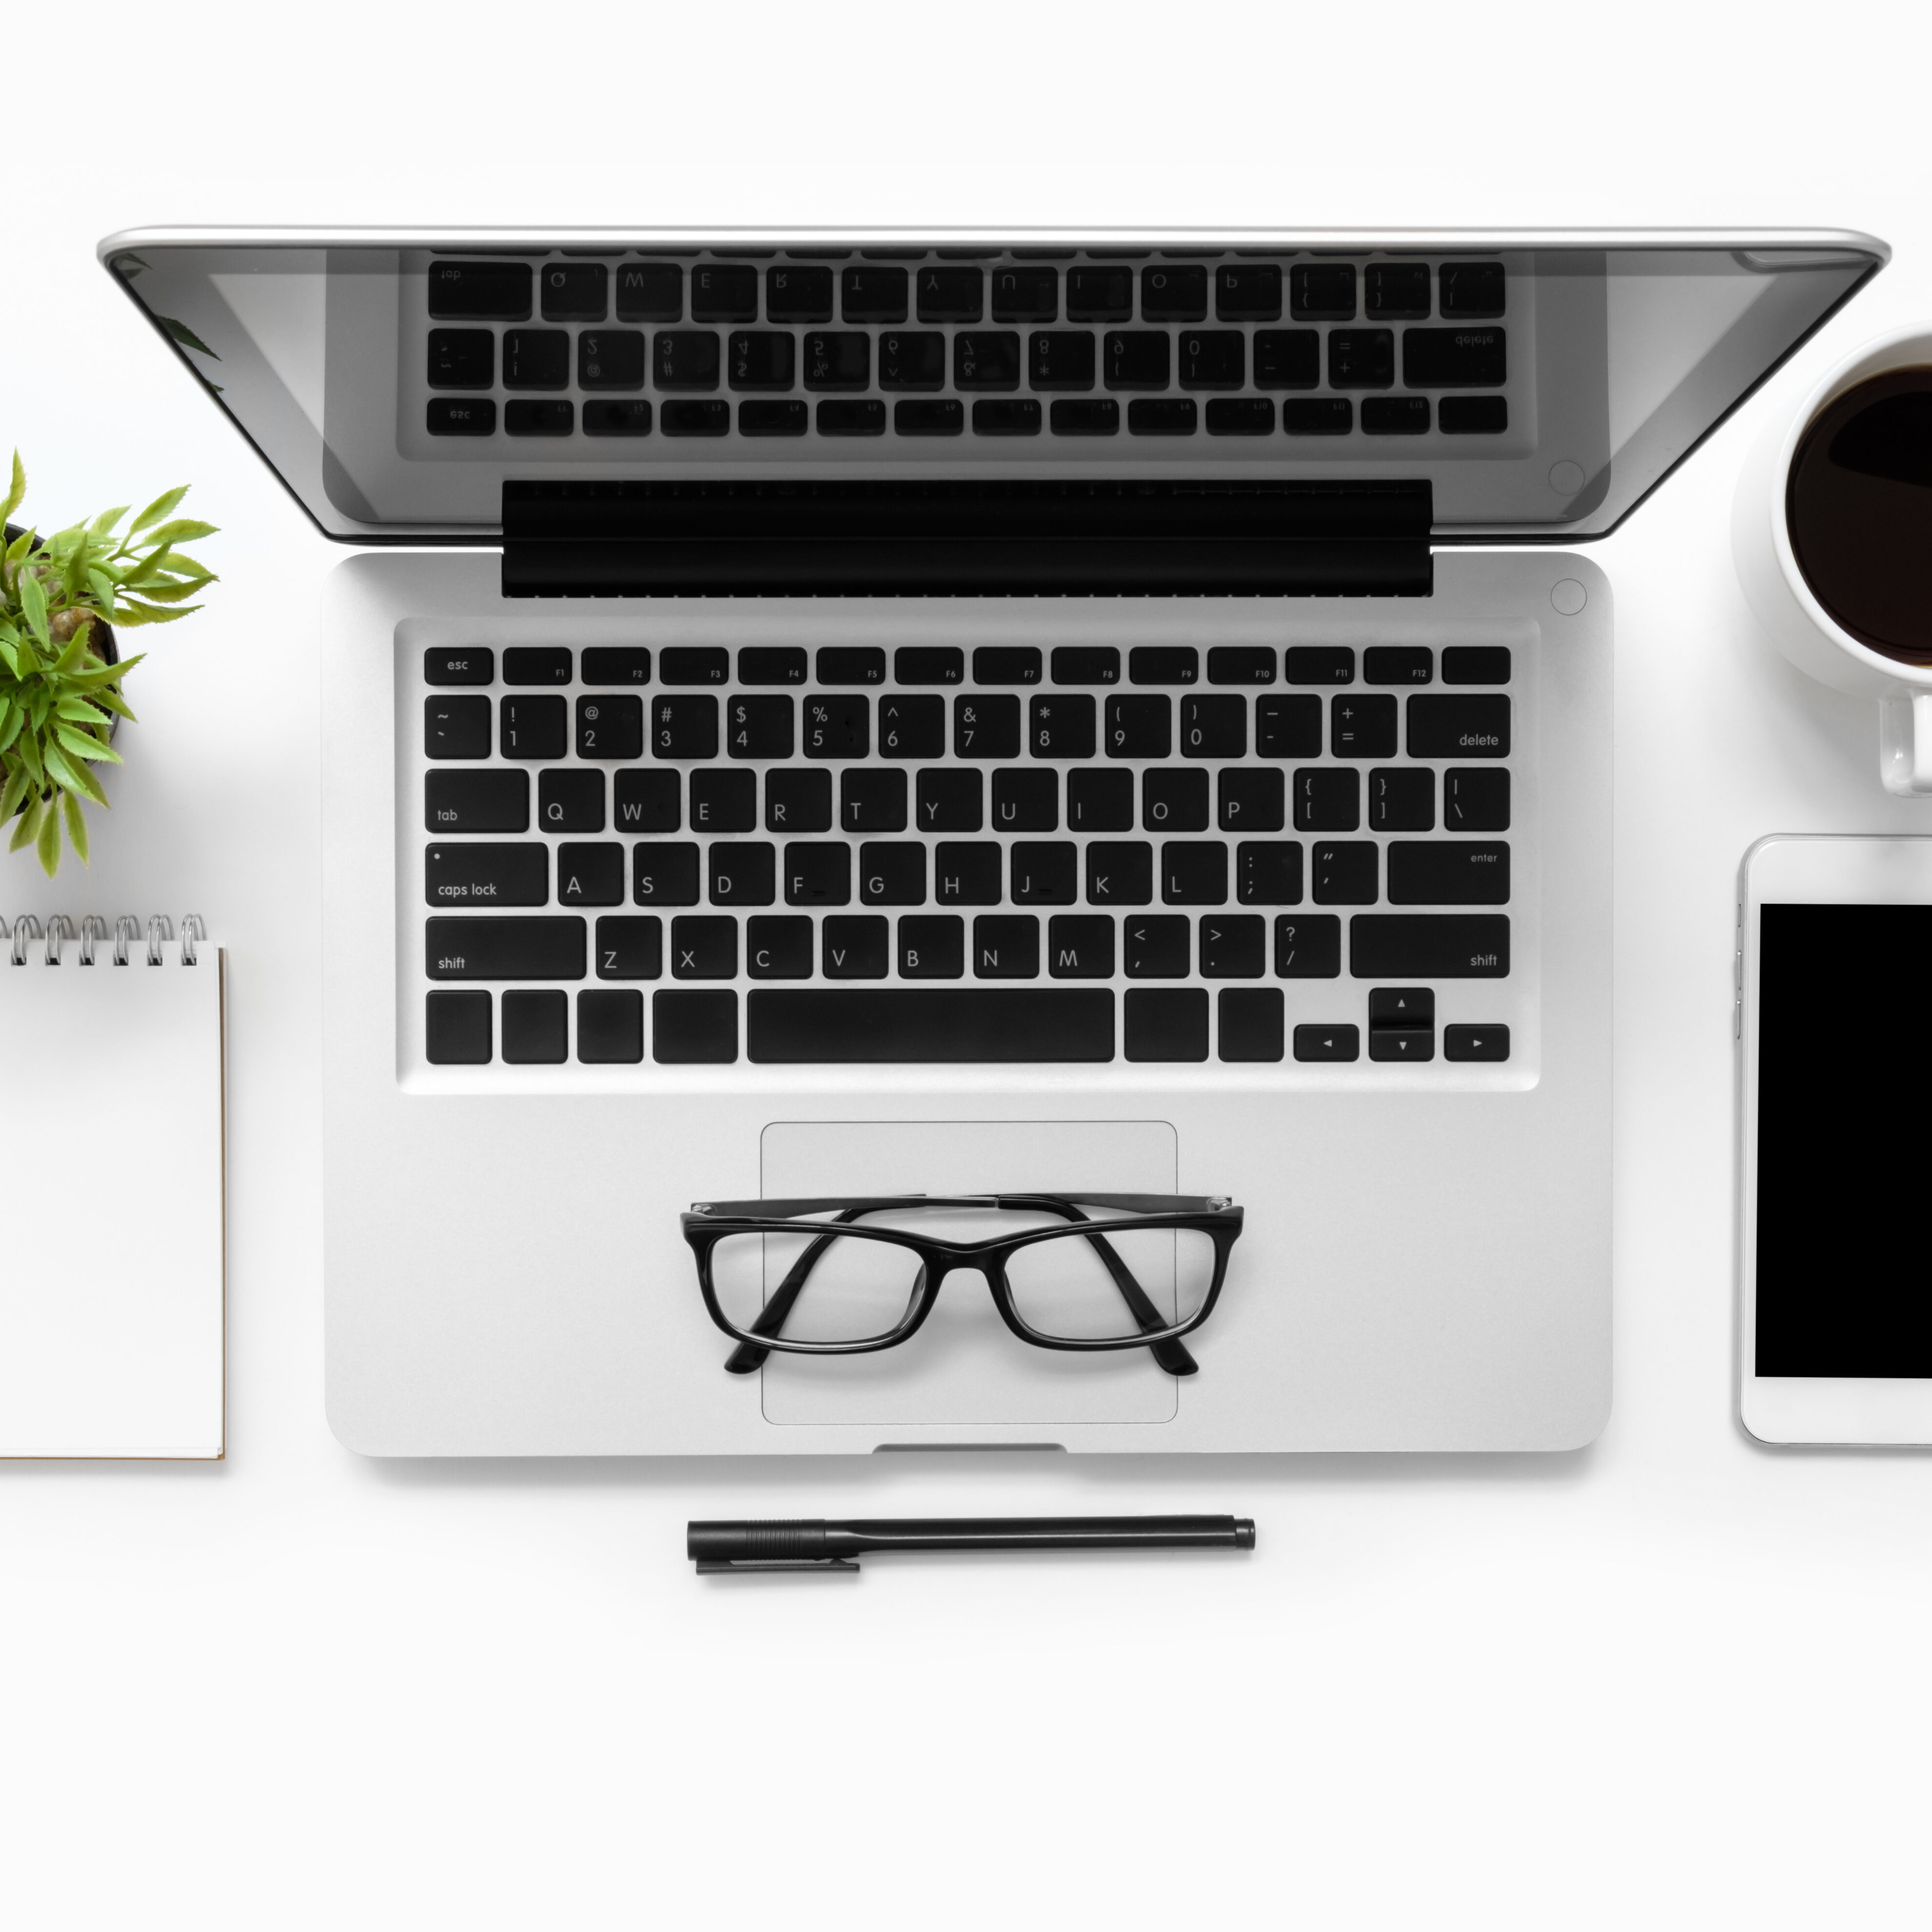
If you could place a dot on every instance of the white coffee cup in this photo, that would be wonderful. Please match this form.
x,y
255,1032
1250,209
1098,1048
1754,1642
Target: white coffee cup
x,y
1783,601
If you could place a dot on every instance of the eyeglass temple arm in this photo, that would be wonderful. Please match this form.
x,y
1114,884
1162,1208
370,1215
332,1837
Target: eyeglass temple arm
x,y
747,1358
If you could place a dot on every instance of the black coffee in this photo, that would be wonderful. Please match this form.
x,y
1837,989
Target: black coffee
x,y
1859,509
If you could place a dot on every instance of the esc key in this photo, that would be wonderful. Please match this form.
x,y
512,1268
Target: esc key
x,y
459,664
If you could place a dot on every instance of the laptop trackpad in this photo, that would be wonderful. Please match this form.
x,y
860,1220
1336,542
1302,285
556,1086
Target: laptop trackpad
x,y
965,1365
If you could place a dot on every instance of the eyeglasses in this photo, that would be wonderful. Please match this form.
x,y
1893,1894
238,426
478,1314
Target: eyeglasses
x,y
850,1275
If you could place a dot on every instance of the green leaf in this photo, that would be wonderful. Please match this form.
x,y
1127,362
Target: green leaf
x,y
30,756
157,510
131,613
82,746
10,657
46,843
16,493
75,778
185,335
13,791
184,530
171,593
106,521
112,700
34,605
77,826
11,720
77,710
100,587
27,825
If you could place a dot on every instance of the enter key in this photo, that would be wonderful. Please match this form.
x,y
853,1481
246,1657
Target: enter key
x,y
1440,872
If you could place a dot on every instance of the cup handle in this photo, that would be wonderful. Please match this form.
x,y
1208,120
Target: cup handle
x,y
1905,744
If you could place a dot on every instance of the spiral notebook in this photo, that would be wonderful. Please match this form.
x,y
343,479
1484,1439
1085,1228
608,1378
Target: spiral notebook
x,y
111,1262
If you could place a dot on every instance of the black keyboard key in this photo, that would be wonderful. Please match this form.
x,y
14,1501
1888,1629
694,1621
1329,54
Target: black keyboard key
x,y
489,875
696,419
953,1025
1174,292
536,1028
1056,359
1288,358
650,292
1320,1043
837,725
871,800
932,946
1174,801
1459,728
610,1026
449,416
536,665
479,291
912,728
1307,946
615,418
967,873
1006,945
914,361
743,874
1086,663
1162,415
1242,663
611,358
1139,728
856,947
1423,945
1318,416
1472,289
798,294
1268,873
536,358
590,875
683,728
610,727
1165,1023
1396,291
462,359
758,727
1476,664
520,946
762,358
1247,292
1016,416
1137,358
1240,415
616,664
1006,664
693,1028
1477,800
456,728
773,417
1080,946
1398,664
704,947
1194,875
1401,1006
946,418
464,664
837,360
646,801
1120,874
1446,872
486,801
533,728
686,358
1472,415
1346,873
1212,358
798,801
870,292
1454,358
778,946
724,292
726,801
1475,1043
1321,664
1395,415
1402,799
630,946
575,291
1362,727
866,418
986,359
951,295
986,726
892,875
950,800
1099,416
569,800
819,874
531,419
664,875
1252,800
1213,727
1060,726
851,663
1234,946
1101,801
1287,726
1361,358
1046,872
929,664
1164,664
457,1029
1322,292
1026,801
1099,295
1026,295
1156,945
1250,1023
772,663
1327,800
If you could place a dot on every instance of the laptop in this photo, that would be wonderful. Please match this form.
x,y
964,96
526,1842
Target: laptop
x,y
830,713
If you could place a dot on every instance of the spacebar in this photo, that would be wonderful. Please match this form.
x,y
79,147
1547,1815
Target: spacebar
x,y
847,1024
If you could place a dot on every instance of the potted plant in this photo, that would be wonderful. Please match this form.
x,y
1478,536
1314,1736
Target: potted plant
x,y
60,670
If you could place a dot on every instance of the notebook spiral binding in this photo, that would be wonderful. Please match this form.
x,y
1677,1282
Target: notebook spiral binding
x,y
58,933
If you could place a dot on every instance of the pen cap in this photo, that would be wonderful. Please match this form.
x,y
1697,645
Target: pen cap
x,y
754,1542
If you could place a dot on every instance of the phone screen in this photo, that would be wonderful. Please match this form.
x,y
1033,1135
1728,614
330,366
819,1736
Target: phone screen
x,y
1844,1141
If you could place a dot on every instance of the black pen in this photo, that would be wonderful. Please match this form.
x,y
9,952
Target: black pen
x,y
805,1544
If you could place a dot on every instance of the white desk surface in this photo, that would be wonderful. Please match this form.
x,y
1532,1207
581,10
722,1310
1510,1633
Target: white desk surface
x,y
1674,1680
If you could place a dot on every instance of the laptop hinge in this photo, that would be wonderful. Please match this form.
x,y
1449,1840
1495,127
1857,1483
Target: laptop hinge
x,y
962,538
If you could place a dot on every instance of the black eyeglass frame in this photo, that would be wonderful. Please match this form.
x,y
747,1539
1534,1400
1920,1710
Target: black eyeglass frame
x,y
709,1222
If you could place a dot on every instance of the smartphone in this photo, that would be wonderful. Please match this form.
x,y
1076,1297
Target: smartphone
x,y
1835,1139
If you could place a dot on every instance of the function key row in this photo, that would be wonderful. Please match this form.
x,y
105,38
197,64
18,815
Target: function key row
x,y
875,292
617,666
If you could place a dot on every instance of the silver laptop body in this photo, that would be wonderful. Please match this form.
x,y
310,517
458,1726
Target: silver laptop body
x,y
839,713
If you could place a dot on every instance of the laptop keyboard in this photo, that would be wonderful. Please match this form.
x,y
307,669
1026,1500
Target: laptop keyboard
x,y
698,854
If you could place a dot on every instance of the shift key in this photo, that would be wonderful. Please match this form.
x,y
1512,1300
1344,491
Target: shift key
x,y
509,948
487,875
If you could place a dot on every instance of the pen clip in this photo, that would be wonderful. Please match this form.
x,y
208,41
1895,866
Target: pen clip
x,y
716,1567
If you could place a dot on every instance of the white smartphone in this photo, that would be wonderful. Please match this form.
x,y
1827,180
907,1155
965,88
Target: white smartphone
x,y
1835,1090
